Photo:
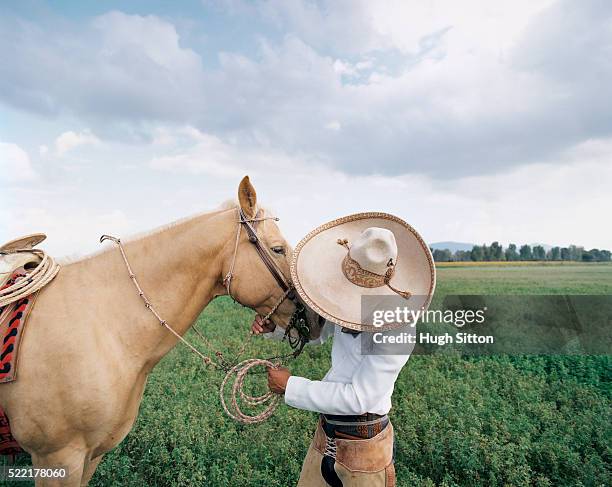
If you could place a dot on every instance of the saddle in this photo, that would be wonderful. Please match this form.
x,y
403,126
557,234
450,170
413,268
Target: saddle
x,y
24,269
14,255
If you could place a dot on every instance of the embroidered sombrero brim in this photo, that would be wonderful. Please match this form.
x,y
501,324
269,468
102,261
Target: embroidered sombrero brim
x,y
316,270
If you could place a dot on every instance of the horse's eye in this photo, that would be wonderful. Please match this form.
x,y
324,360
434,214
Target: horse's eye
x,y
279,250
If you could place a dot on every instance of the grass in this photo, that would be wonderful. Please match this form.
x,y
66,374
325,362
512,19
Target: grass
x,y
510,279
483,421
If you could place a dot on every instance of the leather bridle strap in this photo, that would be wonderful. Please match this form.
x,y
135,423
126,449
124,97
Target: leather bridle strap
x,y
263,253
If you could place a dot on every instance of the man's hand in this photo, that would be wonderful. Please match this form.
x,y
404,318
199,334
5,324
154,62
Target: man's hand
x,y
259,326
277,379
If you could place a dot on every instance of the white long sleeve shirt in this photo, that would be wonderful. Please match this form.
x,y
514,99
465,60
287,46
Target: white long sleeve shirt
x,y
355,384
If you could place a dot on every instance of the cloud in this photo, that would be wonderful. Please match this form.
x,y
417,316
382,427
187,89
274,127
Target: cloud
x,y
70,140
447,90
570,47
523,204
119,67
190,151
532,203
333,125
197,161
15,164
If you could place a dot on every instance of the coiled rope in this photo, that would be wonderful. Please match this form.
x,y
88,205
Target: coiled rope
x,y
234,411
34,280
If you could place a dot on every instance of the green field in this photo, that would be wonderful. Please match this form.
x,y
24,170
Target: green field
x,y
516,421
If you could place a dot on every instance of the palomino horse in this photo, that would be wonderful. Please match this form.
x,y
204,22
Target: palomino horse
x,y
90,343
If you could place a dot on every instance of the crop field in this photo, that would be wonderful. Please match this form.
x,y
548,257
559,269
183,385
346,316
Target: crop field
x,y
515,263
480,421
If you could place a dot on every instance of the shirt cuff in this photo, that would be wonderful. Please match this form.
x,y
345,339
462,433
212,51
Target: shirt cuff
x,y
295,391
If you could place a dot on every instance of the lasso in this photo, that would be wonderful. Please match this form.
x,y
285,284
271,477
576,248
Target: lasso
x,y
240,372
35,279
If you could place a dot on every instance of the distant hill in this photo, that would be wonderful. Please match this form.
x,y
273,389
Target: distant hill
x,y
452,246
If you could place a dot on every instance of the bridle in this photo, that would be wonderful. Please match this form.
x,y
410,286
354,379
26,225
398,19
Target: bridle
x,y
250,226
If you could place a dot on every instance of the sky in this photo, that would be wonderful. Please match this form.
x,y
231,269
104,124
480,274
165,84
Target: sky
x,y
474,121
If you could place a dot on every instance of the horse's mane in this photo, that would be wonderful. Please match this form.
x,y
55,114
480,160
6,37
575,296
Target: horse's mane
x,y
73,258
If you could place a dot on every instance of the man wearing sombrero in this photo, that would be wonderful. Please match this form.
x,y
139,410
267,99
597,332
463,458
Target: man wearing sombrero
x,y
334,267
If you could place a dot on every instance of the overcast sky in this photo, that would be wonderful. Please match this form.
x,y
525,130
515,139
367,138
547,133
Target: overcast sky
x,y
474,121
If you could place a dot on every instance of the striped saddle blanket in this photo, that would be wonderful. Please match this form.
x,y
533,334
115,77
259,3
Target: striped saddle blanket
x,y
12,325
8,444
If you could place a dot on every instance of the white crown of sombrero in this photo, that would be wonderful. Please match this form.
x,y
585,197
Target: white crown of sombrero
x,y
366,254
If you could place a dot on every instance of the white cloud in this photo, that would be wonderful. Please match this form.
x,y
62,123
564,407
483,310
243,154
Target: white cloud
x,y
560,204
447,89
15,164
190,151
355,27
463,96
195,162
70,140
150,37
333,125
202,154
118,66
521,205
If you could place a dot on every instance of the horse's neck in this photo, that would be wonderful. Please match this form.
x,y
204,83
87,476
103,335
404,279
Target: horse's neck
x,y
179,270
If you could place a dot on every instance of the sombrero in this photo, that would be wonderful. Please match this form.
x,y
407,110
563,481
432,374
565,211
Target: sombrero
x,y
366,254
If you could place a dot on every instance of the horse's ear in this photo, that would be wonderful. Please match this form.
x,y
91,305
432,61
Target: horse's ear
x,y
247,197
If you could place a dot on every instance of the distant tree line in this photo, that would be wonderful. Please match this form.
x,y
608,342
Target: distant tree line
x,y
495,252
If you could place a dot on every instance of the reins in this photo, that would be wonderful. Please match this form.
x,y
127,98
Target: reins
x,y
239,371
148,304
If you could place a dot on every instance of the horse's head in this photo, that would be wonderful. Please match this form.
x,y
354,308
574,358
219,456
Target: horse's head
x,y
260,252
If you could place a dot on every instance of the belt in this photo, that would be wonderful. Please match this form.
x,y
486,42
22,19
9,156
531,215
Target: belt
x,y
354,427
359,420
